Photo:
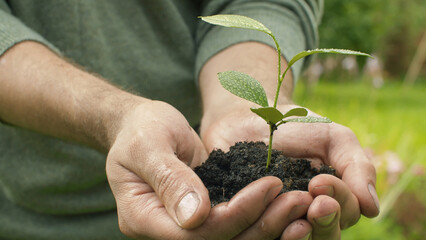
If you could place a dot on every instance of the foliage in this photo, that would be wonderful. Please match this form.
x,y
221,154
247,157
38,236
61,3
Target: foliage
x,y
388,28
364,24
367,229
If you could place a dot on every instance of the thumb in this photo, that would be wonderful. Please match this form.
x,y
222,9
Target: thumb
x,y
181,191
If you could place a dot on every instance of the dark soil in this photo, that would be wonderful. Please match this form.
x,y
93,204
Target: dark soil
x,y
224,174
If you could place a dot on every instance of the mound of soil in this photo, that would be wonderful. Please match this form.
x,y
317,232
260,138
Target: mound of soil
x,y
224,174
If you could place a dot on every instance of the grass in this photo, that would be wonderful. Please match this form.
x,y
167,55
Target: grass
x,y
391,121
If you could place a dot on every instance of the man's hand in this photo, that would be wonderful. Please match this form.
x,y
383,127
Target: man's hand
x,y
227,119
149,164
330,144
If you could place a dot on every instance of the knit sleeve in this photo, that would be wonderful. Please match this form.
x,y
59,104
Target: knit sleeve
x,y
293,22
13,31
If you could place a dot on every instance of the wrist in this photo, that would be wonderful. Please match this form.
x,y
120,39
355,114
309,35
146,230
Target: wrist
x,y
110,117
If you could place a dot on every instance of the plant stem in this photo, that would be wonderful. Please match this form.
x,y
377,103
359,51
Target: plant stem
x,y
280,77
272,127
279,70
271,134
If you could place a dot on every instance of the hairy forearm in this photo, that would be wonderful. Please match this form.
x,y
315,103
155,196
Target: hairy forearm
x,y
255,59
42,92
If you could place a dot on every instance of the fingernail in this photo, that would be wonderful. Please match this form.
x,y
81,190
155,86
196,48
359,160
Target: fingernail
x,y
307,237
326,220
373,194
187,207
272,193
324,190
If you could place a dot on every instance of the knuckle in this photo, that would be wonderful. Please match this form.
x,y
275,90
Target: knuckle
x,y
168,182
370,168
294,198
267,231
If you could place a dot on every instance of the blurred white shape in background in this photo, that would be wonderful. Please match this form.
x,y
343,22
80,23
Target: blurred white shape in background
x,y
374,69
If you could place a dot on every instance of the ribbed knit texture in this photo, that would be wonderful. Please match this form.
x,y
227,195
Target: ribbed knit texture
x,y
53,189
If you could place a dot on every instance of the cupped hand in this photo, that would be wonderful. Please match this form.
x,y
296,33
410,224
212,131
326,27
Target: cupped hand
x,y
148,166
343,197
159,196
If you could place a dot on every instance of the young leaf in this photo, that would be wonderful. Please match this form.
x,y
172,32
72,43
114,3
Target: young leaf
x,y
243,86
309,120
270,114
236,21
273,115
324,50
301,112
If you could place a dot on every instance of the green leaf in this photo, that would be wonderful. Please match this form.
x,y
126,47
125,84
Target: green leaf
x,y
236,21
243,86
324,50
301,112
270,114
309,120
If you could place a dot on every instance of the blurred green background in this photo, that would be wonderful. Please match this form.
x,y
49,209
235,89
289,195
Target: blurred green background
x,y
383,100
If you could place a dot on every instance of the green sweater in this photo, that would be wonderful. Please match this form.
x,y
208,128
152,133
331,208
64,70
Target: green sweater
x,y
53,189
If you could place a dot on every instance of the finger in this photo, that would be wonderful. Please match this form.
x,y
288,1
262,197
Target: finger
x,y
332,186
324,215
248,204
353,166
143,215
281,212
298,230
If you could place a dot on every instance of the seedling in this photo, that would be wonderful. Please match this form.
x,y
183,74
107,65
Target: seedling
x,y
244,86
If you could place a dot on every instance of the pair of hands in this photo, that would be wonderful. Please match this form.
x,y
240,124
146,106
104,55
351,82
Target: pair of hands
x,y
152,149
159,196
